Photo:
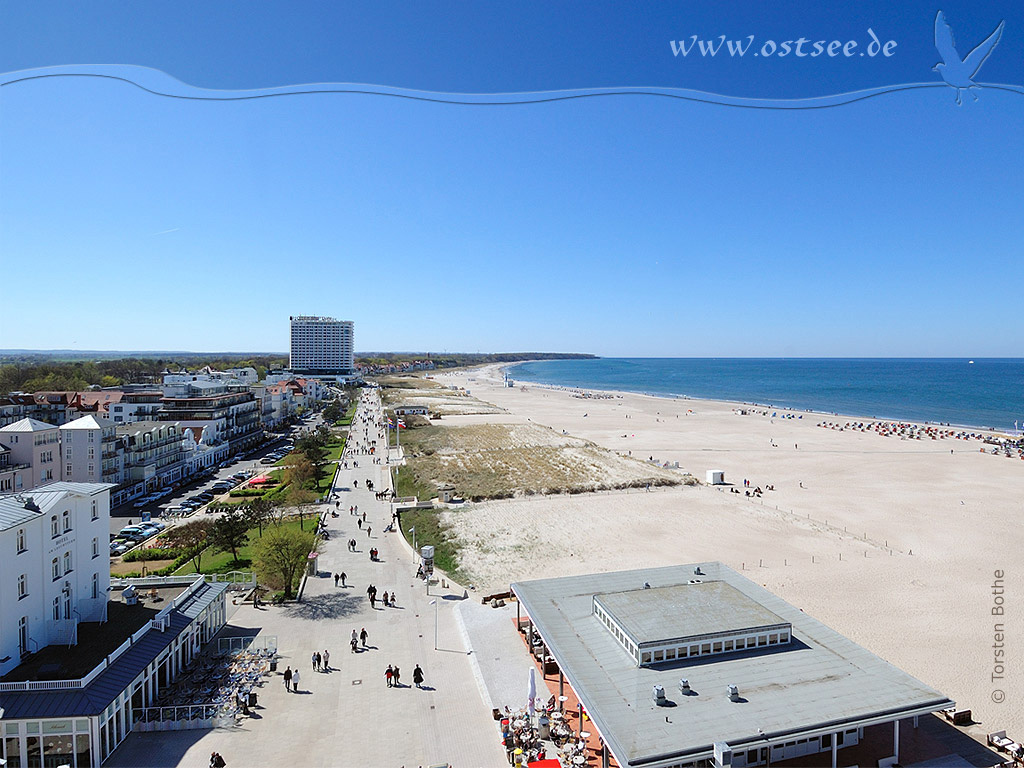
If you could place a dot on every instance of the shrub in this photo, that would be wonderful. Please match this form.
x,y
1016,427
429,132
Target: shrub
x,y
152,553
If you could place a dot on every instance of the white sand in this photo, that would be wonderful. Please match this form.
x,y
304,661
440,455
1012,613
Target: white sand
x,y
928,612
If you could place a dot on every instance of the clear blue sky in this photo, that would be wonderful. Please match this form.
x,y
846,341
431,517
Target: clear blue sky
x,y
625,225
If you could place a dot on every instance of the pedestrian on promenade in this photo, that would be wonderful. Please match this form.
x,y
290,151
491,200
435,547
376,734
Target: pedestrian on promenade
x,y
313,660
327,661
388,674
295,681
362,635
395,673
288,679
216,761
368,529
336,577
385,598
364,517
417,676
343,578
356,508
360,524
392,603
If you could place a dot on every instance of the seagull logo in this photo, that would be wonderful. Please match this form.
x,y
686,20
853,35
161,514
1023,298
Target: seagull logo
x,y
959,73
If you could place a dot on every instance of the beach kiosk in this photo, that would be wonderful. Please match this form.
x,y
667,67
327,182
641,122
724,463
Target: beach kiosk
x,y
715,477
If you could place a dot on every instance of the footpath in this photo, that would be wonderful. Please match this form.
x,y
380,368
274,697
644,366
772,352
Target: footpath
x,y
348,716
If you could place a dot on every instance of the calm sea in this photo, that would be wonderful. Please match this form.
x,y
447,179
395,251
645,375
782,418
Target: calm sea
x,y
987,393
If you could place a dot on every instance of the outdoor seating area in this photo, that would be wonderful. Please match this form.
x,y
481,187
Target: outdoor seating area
x,y
1003,743
548,734
221,679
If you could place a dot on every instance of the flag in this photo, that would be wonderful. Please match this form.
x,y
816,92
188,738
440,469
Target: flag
x,y
401,424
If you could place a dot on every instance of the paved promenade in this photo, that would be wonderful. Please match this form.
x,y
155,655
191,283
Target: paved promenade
x,y
348,716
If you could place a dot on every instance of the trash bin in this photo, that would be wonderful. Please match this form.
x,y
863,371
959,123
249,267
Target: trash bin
x,y
543,727
252,698
273,665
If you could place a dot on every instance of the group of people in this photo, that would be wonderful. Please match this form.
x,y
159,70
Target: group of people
x,y
393,676
357,638
321,662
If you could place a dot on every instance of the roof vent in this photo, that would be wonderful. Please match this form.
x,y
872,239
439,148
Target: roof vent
x,y
734,693
658,695
647,585
684,687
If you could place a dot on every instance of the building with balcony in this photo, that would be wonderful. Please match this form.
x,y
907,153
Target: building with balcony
x,y
322,345
34,447
154,455
90,451
223,413
135,406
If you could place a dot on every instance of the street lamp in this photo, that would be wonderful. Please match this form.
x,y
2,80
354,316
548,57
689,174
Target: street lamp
x,y
434,603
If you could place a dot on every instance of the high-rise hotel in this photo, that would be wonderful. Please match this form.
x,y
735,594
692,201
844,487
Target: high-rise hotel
x,y
321,345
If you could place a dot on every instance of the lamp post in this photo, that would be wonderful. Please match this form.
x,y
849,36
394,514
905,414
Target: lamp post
x,y
434,603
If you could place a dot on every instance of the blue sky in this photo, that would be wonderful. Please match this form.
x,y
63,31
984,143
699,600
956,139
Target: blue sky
x,y
624,225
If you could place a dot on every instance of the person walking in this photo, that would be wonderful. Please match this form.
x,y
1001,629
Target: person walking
x,y
368,531
360,524
312,660
216,761
295,681
288,679
395,674
343,577
362,635
336,577
417,676
364,517
388,675
327,661
385,601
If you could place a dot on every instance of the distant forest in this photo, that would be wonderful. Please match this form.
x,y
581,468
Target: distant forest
x,y
24,371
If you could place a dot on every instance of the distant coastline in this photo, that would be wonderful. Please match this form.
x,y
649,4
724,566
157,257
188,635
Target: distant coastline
x,y
909,412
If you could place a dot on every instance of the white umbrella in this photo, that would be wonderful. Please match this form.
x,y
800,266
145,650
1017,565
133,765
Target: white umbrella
x,y
531,692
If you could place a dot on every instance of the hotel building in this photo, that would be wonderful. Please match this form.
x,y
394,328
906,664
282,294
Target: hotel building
x,y
321,345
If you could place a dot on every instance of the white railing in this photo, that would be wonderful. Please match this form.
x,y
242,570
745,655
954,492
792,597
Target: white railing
x,y
267,643
181,718
41,685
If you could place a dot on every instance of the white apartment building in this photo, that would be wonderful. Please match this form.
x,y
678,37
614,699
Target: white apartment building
x,y
54,566
322,345
89,451
34,448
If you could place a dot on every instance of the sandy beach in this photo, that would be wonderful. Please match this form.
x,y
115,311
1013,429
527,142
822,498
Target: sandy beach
x,y
893,542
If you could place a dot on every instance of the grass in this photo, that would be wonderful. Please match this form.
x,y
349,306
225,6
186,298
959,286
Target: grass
x,y
346,420
407,484
222,562
430,530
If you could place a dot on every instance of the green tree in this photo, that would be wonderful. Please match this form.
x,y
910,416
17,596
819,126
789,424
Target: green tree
x,y
333,411
230,533
192,539
260,512
280,554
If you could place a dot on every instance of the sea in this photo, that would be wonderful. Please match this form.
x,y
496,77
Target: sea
x,y
980,393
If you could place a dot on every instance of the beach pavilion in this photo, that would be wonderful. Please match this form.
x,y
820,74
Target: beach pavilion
x,y
695,665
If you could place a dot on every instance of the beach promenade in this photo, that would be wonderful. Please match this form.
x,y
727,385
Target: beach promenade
x,y
348,716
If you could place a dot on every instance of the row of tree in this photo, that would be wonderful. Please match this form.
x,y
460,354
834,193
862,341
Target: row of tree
x,y
279,552
36,373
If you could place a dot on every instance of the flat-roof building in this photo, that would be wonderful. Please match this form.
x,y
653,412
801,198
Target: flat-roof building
x,y
750,679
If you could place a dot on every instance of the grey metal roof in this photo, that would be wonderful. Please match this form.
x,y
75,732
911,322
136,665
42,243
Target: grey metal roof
x,y
199,600
28,425
685,610
820,682
13,511
107,686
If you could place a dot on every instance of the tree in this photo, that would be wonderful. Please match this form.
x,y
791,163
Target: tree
x,y
314,448
230,533
333,411
191,538
260,512
280,554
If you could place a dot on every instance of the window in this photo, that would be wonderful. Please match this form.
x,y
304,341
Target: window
x,y
23,635
95,547
92,436
784,637
54,528
95,514
55,568
728,645
92,469
21,541
67,562
22,586
68,469
705,647
741,643
762,640
56,609
773,639
717,647
92,452
67,521
95,586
